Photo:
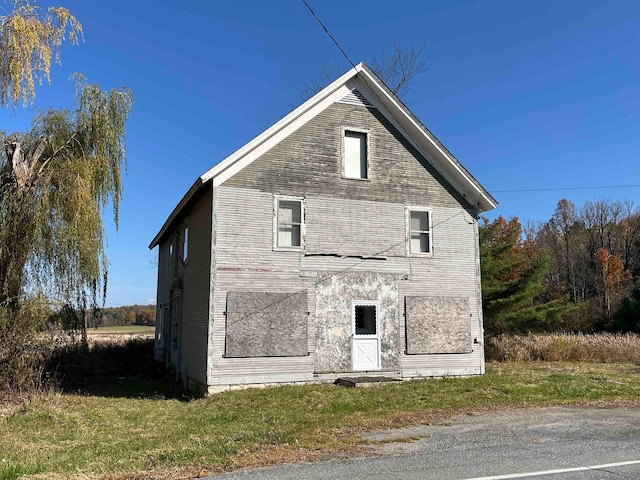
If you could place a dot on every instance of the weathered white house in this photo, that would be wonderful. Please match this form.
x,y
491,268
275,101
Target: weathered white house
x,y
342,239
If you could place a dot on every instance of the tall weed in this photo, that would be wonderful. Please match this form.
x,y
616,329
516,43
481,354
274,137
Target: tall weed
x,y
565,347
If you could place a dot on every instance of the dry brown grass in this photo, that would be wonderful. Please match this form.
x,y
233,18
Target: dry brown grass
x,y
114,437
565,347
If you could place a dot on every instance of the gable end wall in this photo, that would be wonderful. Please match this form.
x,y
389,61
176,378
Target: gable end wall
x,y
309,163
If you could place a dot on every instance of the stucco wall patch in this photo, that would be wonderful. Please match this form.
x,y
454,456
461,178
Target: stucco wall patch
x,y
333,315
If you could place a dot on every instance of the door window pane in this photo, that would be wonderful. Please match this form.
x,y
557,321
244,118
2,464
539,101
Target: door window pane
x,y
365,319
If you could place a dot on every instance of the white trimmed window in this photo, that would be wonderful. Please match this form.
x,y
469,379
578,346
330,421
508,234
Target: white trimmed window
x,y
419,231
289,231
185,244
355,153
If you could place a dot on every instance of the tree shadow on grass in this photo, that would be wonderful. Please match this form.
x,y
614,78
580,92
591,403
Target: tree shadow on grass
x,y
114,369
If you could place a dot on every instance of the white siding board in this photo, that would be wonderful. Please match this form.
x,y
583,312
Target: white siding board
x,y
195,300
451,271
354,227
311,264
244,232
338,233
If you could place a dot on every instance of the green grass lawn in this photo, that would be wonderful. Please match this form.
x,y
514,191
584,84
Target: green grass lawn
x,y
122,329
115,437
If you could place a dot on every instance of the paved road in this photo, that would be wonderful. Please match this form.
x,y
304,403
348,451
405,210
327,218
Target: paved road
x,y
557,443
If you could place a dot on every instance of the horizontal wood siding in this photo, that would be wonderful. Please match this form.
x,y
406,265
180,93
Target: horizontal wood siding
x,y
195,301
163,293
451,271
228,371
354,227
309,163
244,233
309,265
164,273
346,221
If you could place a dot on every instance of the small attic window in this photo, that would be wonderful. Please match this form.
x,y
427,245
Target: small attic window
x,y
355,154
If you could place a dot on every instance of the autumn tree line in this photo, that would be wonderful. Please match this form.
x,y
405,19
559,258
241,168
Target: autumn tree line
x,y
578,271
126,315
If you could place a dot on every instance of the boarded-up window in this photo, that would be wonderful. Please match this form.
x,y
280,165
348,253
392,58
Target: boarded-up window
x,y
438,325
355,154
261,324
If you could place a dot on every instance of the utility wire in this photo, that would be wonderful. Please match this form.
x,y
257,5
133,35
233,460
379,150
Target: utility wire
x,y
340,272
327,32
556,189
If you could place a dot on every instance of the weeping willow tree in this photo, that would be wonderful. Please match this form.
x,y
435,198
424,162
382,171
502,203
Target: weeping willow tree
x,y
55,182
30,39
57,178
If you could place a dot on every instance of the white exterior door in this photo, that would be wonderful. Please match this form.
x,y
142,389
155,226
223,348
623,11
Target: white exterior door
x,y
366,340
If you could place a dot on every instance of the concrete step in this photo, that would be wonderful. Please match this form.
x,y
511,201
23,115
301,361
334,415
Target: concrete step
x,y
365,381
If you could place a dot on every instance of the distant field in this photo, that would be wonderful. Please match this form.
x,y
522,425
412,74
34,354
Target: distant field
x,y
124,329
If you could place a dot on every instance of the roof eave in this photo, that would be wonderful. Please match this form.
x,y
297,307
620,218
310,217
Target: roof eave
x,y
474,192
476,195
280,124
198,184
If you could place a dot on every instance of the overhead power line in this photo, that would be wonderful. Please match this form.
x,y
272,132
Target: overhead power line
x,y
556,189
327,32
346,269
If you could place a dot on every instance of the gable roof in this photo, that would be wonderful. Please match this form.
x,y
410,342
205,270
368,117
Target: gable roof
x,y
357,84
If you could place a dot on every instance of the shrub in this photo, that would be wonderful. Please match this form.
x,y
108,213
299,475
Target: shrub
x,y
76,365
24,348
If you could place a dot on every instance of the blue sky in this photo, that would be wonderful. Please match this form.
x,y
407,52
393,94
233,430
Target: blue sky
x,y
527,95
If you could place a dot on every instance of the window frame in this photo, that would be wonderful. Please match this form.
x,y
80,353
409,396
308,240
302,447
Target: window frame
x,y
408,210
184,253
366,132
276,223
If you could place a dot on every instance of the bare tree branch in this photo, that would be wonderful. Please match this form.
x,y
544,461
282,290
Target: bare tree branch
x,y
396,69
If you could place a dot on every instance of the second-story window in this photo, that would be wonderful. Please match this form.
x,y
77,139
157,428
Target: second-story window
x,y
185,244
419,226
289,223
355,154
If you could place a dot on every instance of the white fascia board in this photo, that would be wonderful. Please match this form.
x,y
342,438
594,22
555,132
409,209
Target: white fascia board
x,y
198,184
449,169
244,156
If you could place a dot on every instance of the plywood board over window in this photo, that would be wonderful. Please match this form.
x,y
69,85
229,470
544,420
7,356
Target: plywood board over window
x,y
438,325
265,324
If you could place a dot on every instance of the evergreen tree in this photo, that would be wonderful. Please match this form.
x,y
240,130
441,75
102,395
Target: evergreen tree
x,y
513,287
628,318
